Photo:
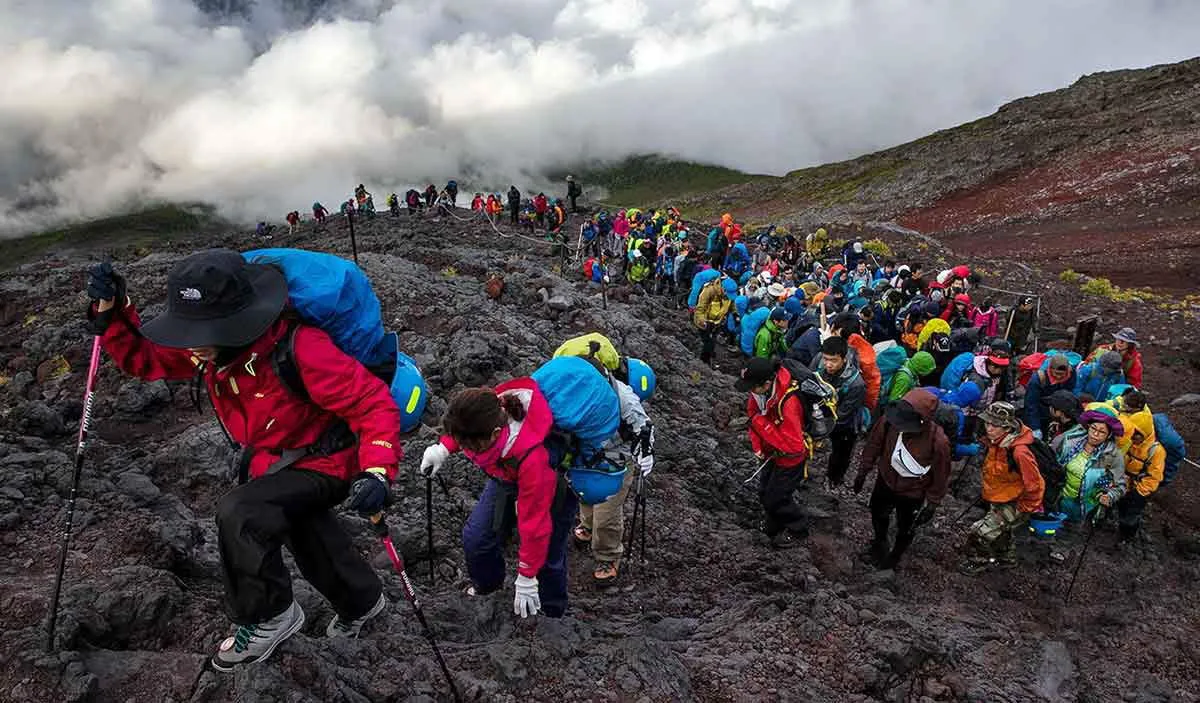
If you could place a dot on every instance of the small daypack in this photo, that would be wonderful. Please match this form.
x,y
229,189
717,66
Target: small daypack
x,y
1170,439
1053,473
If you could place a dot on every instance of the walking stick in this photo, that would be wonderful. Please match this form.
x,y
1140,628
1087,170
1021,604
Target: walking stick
x,y
641,499
603,280
429,529
385,539
637,505
963,514
1086,543
84,421
757,472
353,241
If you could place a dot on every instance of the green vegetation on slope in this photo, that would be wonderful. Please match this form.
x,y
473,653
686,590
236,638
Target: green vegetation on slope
x,y
640,181
129,229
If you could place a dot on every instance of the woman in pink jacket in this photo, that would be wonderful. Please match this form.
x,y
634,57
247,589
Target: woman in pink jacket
x,y
503,430
986,317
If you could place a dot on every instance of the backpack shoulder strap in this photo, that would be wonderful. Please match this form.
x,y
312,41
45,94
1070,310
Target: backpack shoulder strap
x,y
283,363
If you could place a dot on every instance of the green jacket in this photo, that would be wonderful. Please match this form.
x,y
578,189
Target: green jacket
x,y
769,341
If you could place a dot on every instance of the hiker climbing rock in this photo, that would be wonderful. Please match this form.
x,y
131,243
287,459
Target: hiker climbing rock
x,y
574,190
835,368
302,455
1094,465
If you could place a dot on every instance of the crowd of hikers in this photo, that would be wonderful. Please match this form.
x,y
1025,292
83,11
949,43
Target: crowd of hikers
x,y
306,383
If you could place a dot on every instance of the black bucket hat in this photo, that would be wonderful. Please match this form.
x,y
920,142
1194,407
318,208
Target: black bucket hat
x,y
216,299
904,417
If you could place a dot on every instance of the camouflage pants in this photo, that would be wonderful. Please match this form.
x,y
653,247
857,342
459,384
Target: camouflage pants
x,y
992,535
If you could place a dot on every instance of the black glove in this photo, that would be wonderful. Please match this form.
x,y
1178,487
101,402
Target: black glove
x,y
859,482
368,493
925,514
643,444
104,283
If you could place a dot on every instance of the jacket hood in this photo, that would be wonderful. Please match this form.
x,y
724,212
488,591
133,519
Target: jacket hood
x,y
935,326
1141,422
980,366
924,402
922,363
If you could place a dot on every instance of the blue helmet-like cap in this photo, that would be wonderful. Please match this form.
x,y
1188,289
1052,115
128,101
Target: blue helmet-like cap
x,y
641,378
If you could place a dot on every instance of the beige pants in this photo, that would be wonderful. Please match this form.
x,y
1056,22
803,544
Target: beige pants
x,y
607,522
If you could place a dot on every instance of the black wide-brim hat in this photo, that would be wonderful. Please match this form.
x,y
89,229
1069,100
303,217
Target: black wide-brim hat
x,y
904,417
216,299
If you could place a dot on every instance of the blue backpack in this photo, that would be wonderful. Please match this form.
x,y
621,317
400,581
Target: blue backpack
x,y
334,295
1170,439
958,367
889,362
751,324
587,413
698,282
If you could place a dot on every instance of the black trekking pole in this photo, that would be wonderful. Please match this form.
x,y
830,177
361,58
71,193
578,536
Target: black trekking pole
x,y
640,498
84,421
429,528
963,514
603,280
353,241
1086,543
381,529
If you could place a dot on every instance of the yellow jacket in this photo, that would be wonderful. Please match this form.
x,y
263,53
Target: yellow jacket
x,y
712,306
1145,460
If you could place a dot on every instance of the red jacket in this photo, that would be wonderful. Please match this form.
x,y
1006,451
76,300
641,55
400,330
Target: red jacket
x,y
257,411
536,480
540,203
1131,361
779,432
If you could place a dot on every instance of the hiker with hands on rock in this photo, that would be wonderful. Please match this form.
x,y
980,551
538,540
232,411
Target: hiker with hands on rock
x,y
503,431
910,455
224,320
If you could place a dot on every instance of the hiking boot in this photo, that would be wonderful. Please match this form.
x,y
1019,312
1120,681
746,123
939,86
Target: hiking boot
x,y
874,554
350,628
974,565
606,572
254,643
1006,561
582,536
785,540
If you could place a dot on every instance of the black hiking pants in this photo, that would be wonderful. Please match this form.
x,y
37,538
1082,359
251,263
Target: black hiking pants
x,y
293,508
776,491
708,343
883,501
1129,513
514,209
841,444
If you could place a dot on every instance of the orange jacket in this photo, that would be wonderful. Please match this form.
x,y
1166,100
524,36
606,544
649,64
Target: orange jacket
x,y
867,367
1003,485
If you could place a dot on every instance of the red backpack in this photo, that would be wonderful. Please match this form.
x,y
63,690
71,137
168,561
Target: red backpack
x,y
1028,367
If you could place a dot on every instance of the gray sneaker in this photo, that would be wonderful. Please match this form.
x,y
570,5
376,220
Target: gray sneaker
x,y
254,643
350,628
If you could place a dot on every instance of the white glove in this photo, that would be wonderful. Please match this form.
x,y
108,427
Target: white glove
x,y
646,464
432,460
1037,434
527,601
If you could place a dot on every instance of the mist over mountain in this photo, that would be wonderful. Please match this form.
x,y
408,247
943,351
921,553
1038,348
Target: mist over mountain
x,y
260,107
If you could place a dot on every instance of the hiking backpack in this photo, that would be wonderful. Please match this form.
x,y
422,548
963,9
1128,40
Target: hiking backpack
x,y
1054,475
1170,439
818,396
957,370
889,360
335,296
587,413
596,346
964,339
752,322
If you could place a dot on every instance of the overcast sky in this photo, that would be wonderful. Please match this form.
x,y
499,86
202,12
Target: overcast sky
x,y
108,103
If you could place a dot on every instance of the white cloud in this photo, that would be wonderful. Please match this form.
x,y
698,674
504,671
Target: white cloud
x,y
105,103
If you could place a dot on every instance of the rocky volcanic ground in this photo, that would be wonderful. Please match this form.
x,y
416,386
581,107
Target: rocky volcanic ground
x,y
713,615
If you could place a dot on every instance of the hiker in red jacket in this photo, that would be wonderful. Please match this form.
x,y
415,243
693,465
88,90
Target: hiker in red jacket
x,y
540,205
1125,343
302,456
777,437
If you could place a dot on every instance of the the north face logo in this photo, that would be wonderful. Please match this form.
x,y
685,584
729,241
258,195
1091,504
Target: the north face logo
x,y
189,294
